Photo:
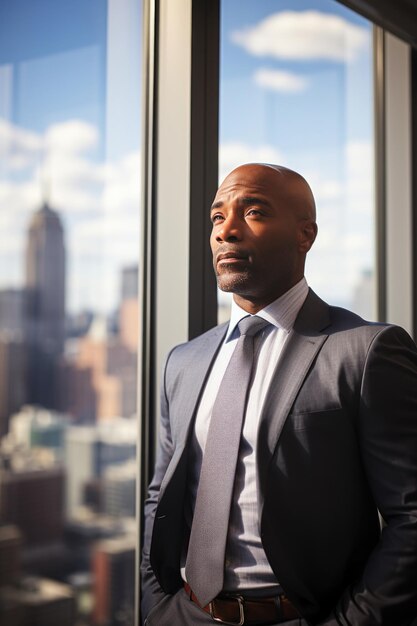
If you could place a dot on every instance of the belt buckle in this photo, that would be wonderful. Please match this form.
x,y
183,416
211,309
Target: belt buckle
x,y
240,602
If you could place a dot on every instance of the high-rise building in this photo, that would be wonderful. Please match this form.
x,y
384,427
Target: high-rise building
x,y
13,354
13,372
114,582
10,547
12,310
130,285
129,309
119,490
33,500
45,285
90,450
129,325
101,377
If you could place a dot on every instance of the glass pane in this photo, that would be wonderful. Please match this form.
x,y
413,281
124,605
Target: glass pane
x,y
70,76
297,90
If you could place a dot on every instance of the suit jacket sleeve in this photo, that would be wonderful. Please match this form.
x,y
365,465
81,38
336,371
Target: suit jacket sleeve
x,y
151,591
386,593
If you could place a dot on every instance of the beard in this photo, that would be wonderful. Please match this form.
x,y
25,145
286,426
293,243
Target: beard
x,y
232,281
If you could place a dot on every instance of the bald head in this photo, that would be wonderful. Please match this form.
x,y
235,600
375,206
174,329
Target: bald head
x,y
292,187
264,223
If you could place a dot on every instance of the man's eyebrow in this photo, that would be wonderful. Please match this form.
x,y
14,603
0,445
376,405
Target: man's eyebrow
x,y
245,201
248,200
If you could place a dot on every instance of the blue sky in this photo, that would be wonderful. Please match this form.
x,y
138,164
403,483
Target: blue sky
x,y
59,52
70,98
317,116
296,87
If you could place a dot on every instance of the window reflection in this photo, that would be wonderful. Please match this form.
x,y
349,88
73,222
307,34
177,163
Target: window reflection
x,y
297,89
69,245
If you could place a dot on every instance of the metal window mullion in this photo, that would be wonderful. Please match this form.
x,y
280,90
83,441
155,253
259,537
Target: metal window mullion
x,y
380,172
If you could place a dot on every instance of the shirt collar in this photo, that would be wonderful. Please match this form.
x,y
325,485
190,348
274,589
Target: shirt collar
x,y
281,313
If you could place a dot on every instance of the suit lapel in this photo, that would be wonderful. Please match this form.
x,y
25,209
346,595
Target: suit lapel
x,y
195,376
185,388
301,347
193,381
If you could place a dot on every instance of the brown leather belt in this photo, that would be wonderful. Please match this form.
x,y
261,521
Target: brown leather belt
x,y
238,610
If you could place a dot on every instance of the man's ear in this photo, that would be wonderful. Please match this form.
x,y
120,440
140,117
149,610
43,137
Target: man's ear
x,y
307,234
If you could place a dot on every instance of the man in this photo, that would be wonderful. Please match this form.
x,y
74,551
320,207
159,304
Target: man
x,y
329,438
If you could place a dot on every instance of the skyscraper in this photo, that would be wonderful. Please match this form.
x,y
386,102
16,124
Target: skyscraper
x,y
130,283
13,354
114,581
45,284
33,501
13,362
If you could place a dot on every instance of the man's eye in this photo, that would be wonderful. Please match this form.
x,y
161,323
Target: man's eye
x,y
216,218
253,212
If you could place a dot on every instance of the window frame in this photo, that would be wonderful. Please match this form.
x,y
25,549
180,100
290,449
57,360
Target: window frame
x,y
191,179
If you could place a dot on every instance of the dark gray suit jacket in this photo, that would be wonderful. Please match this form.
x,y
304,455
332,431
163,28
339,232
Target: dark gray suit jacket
x,y
337,442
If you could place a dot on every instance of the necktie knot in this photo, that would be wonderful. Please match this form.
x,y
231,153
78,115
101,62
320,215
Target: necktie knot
x,y
252,325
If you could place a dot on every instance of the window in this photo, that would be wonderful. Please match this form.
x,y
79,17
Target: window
x,y
297,89
69,248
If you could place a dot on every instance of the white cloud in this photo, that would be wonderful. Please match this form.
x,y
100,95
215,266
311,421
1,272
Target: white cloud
x,y
19,148
330,190
122,189
304,35
98,202
72,136
278,80
360,168
74,182
344,250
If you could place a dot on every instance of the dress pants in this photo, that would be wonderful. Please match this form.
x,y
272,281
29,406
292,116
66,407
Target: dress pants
x,y
179,610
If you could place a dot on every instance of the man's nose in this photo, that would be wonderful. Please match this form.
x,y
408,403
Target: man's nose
x,y
230,230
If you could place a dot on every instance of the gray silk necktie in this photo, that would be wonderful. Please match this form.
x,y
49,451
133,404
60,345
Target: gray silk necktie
x,y
206,550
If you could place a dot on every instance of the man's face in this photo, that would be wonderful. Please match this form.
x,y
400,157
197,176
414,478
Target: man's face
x,y
259,240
